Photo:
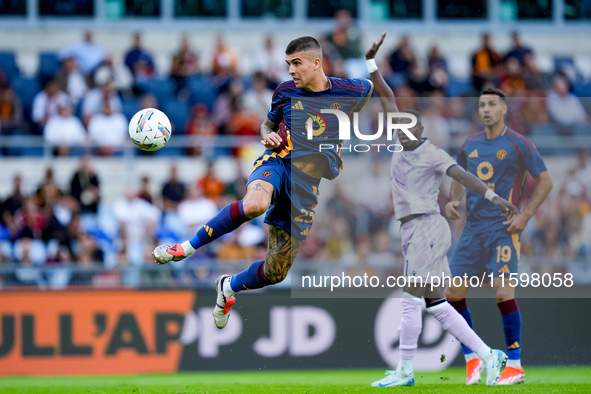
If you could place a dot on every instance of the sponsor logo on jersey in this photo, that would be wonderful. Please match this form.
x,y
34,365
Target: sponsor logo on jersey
x,y
298,105
505,269
485,171
474,153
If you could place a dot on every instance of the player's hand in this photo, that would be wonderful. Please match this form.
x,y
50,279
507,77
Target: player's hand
x,y
272,141
451,210
516,223
507,209
371,53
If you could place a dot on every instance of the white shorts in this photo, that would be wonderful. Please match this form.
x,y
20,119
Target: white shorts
x,y
425,243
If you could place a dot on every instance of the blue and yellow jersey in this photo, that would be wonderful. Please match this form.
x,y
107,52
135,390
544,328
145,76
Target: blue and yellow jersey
x,y
502,164
291,108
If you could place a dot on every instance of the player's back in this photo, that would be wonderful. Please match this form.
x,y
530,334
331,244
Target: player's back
x,y
502,164
416,177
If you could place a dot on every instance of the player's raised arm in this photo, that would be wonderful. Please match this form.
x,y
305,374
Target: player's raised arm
x,y
269,136
383,91
470,181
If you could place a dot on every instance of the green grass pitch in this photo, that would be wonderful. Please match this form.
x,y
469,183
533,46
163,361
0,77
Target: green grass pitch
x,y
538,380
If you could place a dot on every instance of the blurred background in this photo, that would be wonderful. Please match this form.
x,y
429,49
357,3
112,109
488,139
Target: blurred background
x,y
81,206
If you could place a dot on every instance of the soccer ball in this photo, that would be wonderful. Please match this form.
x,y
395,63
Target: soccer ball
x,y
149,129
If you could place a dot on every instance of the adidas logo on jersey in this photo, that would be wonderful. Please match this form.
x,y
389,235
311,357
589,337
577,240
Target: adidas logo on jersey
x,y
474,153
297,105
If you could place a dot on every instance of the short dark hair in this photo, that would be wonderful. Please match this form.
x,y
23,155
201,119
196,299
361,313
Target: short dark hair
x,y
415,113
302,44
495,92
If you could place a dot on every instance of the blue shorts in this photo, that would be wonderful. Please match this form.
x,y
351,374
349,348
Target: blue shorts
x,y
493,252
295,194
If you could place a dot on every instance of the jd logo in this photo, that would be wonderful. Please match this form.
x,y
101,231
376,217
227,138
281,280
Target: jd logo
x,y
345,123
433,342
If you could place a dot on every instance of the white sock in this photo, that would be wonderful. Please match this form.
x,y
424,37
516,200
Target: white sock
x,y
188,248
485,353
514,363
470,356
405,366
228,292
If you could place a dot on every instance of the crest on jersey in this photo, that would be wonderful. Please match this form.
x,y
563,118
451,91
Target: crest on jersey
x,y
336,105
266,174
501,154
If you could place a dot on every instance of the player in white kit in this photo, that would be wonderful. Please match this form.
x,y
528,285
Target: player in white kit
x,y
417,173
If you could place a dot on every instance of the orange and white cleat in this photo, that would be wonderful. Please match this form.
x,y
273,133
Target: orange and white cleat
x,y
165,253
511,375
223,304
474,368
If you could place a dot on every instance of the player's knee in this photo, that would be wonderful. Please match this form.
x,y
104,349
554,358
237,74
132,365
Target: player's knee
x,y
254,207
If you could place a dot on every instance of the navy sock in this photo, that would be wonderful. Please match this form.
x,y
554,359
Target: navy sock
x,y
251,278
227,220
462,307
512,326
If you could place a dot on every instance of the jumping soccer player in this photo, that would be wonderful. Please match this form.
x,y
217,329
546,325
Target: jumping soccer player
x,y
284,180
417,173
500,157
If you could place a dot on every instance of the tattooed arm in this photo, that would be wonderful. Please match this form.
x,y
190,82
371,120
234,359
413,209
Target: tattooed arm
x,y
269,136
281,253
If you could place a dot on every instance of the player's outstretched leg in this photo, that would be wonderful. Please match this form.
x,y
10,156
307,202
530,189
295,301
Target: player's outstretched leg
x,y
256,202
280,255
410,329
474,365
455,324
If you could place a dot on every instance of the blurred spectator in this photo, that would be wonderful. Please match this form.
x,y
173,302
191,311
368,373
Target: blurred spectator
x,y
339,205
199,124
11,111
457,117
211,185
148,101
108,130
438,73
227,103
94,100
243,121
26,274
11,205
144,193
377,205
257,99
139,61
518,51
72,80
64,130
564,107
48,191
436,127
486,63
361,260
85,187
29,220
237,188
271,62
224,59
401,60
137,220
338,241
59,215
88,55
583,171
196,210
117,73
332,64
346,39
46,102
512,82
173,191
185,63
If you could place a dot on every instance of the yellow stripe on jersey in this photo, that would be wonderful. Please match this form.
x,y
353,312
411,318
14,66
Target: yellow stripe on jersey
x,y
289,146
258,163
504,131
516,244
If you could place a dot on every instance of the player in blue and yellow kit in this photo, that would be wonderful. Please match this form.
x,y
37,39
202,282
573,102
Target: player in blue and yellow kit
x,y
501,158
284,180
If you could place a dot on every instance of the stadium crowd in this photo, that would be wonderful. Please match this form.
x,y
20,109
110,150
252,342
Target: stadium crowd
x,y
87,97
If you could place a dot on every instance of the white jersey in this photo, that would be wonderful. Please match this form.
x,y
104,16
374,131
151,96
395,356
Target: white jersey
x,y
416,177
